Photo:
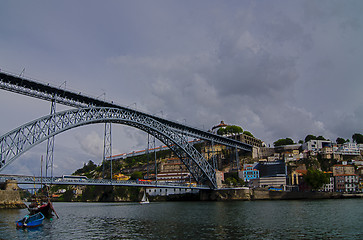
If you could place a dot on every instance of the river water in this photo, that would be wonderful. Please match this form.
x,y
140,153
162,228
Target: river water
x,y
318,219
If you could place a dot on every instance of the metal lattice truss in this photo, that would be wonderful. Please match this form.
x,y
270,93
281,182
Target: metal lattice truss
x,y
38,90
21,139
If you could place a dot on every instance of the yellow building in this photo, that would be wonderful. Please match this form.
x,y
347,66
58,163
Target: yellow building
x,y
121,177
296,175
247,139
210,151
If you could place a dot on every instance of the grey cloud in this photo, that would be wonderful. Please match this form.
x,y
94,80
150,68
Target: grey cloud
x,y
278,69
91,143
254,74
348,124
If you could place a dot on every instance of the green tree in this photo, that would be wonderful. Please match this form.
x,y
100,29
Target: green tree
x,y
90,166
357,138
315,178
231,181
282,142
301,141
340,140
320,138
248,133
221,131
68,195
136,175
233,129
310,137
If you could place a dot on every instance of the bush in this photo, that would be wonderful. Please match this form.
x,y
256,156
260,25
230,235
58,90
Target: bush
x,y
315,178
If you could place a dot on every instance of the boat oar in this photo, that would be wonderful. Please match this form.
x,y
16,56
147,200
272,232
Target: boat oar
x,y
51,205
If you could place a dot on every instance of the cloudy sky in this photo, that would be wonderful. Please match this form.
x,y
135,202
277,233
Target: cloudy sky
x,y
276,68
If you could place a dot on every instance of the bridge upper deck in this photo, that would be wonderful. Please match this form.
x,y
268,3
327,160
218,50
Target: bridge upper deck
x,y
43,91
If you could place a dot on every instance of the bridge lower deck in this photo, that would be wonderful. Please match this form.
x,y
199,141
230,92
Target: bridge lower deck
x,y
99,182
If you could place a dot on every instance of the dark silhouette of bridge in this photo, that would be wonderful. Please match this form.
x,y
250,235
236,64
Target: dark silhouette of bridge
x,y
89,110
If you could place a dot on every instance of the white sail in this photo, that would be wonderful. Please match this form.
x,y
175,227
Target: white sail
x,y
144,199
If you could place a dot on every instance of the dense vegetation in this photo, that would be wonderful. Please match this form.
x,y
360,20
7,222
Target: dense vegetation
x,y
357,138
315,178
232,179
312,137
282,142
230,130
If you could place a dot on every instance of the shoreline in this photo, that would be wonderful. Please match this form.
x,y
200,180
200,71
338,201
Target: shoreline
x,y
264,194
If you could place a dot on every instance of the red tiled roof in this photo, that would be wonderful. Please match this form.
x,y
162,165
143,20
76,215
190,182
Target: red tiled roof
x,y
301,171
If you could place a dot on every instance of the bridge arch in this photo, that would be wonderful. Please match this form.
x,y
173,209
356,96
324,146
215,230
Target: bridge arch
x,y
14,143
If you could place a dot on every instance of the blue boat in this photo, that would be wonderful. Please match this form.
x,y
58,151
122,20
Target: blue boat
x,y
31,221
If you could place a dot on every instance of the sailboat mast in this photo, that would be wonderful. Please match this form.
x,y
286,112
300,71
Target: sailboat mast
x,y
41,171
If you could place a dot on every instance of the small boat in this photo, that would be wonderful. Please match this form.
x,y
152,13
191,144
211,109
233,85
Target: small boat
x,y
41,203
30,221
144,199
46,209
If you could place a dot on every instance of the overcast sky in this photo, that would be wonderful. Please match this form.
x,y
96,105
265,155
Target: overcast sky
x,y
276,68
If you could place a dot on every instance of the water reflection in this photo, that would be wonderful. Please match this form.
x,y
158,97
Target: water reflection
x,y
195,220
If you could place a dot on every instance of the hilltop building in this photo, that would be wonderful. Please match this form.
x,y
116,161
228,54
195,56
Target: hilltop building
x,y
316,145
349,149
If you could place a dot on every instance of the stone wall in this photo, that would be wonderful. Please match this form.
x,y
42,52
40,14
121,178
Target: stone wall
x,y
10,197
262,194
225,194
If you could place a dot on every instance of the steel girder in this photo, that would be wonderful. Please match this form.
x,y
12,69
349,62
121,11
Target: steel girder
x,y
31,88
21,139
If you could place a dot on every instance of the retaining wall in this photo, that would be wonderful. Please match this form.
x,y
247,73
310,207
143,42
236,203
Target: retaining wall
x,y
10,197
263,194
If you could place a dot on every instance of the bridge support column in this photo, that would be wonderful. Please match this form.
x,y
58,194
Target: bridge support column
x,y
50,142
107,147
237,159
214,157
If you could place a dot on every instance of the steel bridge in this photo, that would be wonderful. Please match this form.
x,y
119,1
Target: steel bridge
x,y
89,110
98,182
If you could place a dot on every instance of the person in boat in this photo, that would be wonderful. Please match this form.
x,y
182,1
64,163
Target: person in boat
x,y
25,220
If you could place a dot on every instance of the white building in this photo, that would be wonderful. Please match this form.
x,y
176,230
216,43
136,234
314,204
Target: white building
x,y
169,191
329,187
360,146
316,145
347,183
349,149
